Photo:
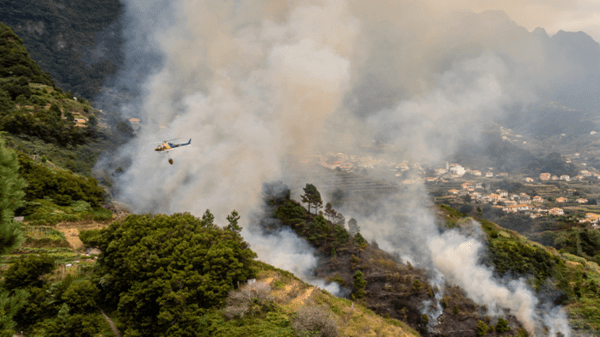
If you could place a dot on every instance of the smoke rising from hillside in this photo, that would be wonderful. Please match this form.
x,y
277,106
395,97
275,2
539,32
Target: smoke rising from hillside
x,y
256,83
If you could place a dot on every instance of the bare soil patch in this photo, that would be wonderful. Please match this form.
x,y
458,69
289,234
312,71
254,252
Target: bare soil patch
x,y
71,231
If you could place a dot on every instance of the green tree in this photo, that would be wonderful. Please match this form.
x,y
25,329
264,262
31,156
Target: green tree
x,y
208,219
502,326
42,303
69,116
360,241
318,228
55,110
11,197
482,328
416,285
81,297
6,102
233,219
312,197
92,121
10,304
161,273
342,237
593,287
28,272
359,284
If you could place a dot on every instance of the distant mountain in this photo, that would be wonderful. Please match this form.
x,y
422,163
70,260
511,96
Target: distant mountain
x,y
77,42
564,67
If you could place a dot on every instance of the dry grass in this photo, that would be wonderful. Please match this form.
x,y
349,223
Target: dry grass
x,y
252,299
349,318
315,318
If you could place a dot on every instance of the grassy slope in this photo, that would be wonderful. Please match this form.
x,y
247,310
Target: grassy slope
x,y
292,293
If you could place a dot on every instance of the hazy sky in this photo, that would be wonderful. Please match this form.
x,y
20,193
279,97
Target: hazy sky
x,y
553,15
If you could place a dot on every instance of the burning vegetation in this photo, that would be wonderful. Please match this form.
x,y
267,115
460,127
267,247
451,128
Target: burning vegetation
x,y
378,279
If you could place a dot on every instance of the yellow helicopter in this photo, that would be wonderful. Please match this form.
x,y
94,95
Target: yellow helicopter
x,y
167,146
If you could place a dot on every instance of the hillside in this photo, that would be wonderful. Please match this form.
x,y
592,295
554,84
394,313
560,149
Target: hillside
x,y
78,43
71,297
563,278
390,288
183,275
41,120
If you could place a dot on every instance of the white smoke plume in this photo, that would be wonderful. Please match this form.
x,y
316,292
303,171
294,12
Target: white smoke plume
x,y
255,83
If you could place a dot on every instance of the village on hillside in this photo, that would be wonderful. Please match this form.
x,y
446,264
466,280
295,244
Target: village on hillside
x,y
554,194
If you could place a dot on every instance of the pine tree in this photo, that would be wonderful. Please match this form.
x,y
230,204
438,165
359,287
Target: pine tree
x,y
10,303
312,197
11,197
233,222
359,285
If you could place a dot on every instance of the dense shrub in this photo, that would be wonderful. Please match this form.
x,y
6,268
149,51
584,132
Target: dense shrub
x,y
482,328
291,212
502,326
42,124
90,238
38,308
342,237
513,256
81,297
163,272
73,325
62,186
28,271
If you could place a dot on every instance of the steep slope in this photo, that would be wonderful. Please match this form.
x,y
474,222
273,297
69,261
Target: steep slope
x,y
376,279
38,118
77,42
558,277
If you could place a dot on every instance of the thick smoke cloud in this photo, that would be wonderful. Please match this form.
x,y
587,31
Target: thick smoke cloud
x,y
259,84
